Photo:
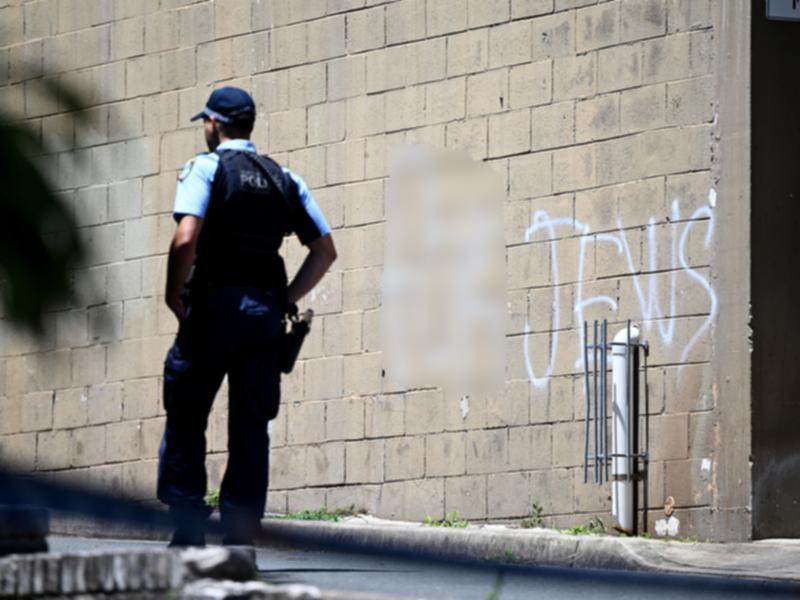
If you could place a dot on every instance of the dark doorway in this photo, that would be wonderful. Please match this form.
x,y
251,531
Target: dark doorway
x,y
775,277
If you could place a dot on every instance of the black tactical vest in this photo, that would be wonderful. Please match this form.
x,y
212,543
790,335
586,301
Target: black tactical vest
x,y
247,217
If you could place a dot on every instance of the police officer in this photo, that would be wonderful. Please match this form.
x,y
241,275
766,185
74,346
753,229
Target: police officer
x,y
233,208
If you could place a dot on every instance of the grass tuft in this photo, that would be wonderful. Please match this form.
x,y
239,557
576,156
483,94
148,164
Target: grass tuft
x,y
535,519
593,527
212,497
450,520
320,514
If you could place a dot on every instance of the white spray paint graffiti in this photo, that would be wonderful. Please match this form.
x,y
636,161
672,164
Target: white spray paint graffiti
x,y
651,312
541,220
703,211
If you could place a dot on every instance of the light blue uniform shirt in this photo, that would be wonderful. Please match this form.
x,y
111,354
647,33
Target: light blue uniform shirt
x,y
194,185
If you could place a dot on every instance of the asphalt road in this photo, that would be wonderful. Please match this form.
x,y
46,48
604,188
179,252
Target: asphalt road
x,y
434,581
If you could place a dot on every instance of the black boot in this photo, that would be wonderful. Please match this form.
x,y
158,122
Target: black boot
x,y
240,529
189,526
184,537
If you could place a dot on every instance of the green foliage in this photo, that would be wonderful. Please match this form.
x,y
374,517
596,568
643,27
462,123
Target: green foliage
x,y
39,240
321,514
535,519
593,527
450,520
212,497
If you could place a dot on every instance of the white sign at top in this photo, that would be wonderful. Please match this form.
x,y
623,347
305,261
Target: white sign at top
x,y
783,10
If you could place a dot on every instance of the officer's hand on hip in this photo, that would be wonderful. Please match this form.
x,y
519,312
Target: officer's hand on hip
x,y
175,304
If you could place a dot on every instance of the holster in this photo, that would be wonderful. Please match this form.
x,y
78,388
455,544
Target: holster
x,y
299,326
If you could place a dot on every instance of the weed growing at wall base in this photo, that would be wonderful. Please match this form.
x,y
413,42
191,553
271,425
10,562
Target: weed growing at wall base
x,y
320,514
450,520
535,519
593,527
212,497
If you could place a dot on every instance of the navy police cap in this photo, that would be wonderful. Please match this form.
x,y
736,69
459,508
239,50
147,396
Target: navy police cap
x,y
228,104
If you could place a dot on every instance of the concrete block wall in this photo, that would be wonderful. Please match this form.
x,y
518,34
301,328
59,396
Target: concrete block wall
x,y
598,115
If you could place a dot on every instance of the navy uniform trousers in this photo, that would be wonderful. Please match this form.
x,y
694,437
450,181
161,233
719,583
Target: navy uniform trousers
x,y
233,330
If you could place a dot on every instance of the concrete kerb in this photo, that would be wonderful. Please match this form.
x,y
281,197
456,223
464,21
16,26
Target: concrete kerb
x,y
773,560
769,561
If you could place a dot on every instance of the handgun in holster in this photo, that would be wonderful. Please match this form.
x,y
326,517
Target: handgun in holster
x,y
300,325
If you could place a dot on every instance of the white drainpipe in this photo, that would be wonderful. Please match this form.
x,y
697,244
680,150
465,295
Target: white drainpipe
x,y
622,484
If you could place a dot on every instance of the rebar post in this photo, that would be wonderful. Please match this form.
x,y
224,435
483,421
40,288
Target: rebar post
x,y
629,388
587,402
646,457
604,385
596,425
